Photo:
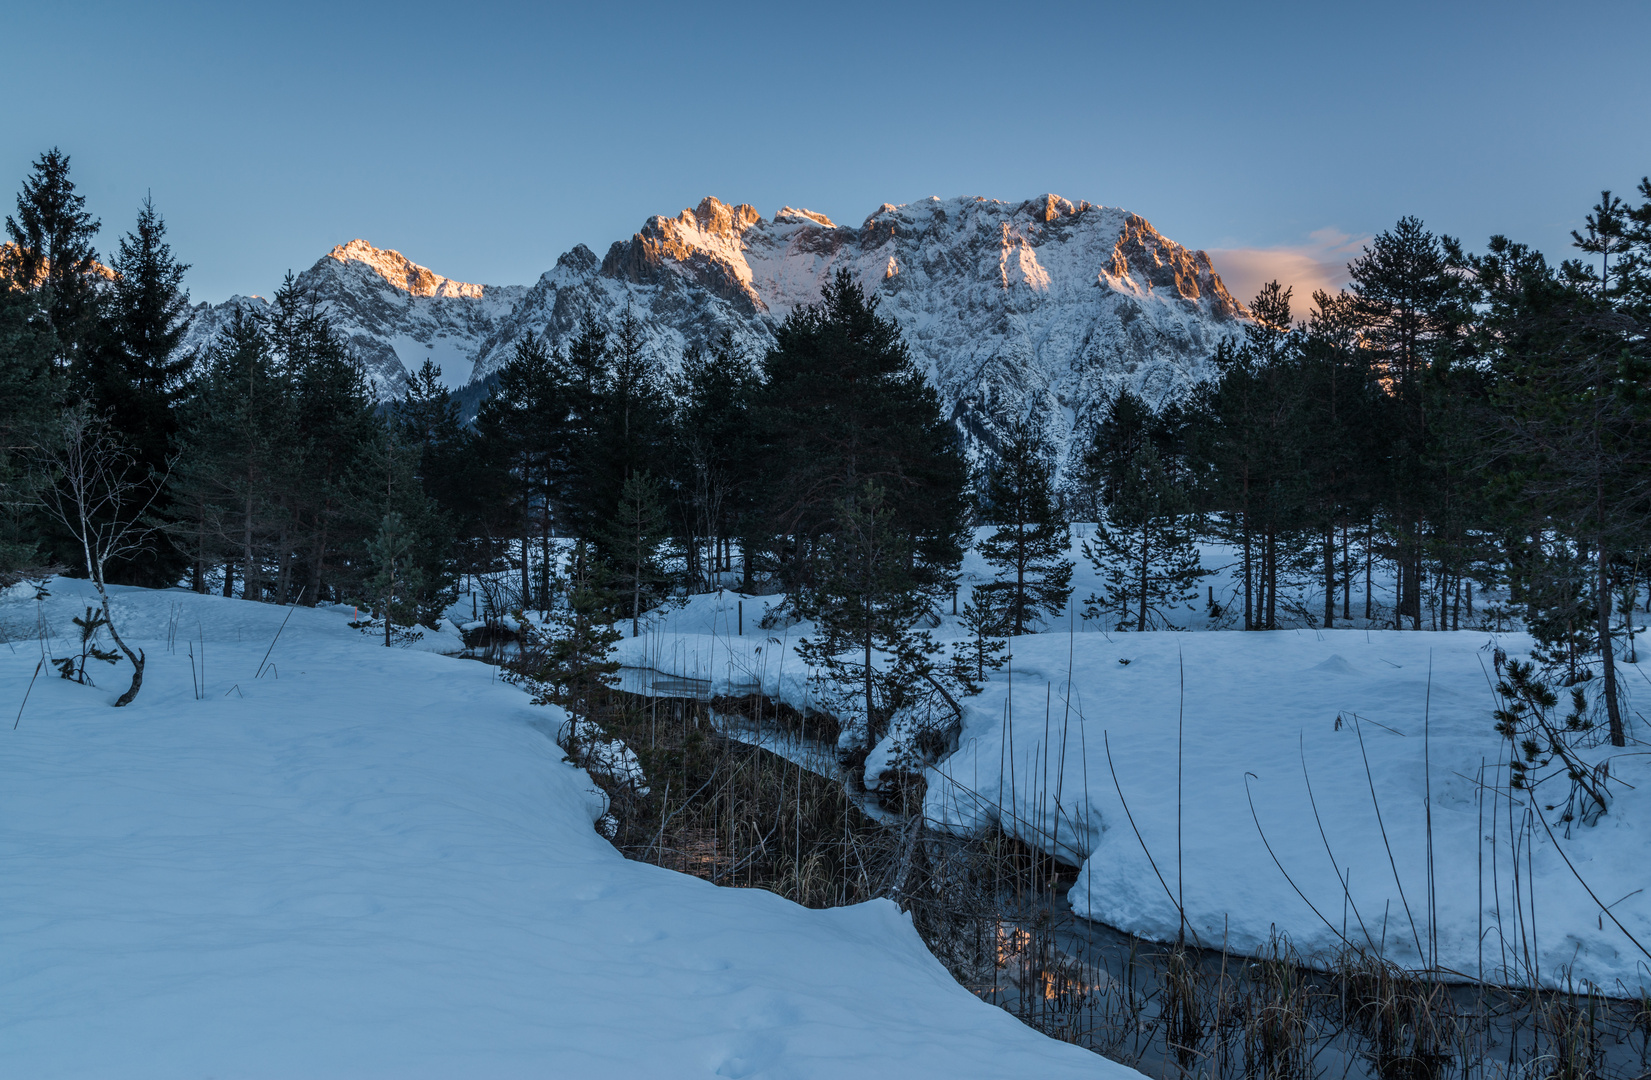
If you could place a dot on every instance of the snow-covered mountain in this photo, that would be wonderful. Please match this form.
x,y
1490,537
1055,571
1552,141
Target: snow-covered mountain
x,y
394,312
1043,306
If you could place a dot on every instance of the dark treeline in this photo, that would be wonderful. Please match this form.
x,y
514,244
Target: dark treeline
x,y
1449,421
1454,419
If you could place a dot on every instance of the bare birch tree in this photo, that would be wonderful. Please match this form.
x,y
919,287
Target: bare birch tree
x,y
101,495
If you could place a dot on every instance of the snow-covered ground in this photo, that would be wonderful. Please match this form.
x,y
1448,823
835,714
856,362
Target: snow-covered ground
x,y
373,862
1261,716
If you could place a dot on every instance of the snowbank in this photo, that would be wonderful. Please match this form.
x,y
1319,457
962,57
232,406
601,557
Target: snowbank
x,y
1264,715
373,862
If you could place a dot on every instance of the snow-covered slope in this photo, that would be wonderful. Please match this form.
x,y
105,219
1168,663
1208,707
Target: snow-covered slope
x,y
1043,306
395,313
374,862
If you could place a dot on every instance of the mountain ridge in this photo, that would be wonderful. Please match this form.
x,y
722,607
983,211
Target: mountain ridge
x,y
1044,306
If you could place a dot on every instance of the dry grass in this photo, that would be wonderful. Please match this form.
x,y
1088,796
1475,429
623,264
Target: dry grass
x,y
992,910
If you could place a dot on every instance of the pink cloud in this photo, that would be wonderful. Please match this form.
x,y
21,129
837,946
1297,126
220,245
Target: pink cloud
x,y
1319,264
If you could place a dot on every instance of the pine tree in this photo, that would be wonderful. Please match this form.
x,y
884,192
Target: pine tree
x,y
529,425
1031,544
624,431
634,536
407,539
453,469
1249,448
396,580
714,461
984,649
842,406
329,488
1411,308
866,597
1144,549
1334,411
571,663
1572,363
51,238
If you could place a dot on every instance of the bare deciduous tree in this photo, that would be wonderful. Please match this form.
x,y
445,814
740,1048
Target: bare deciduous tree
x,y
100,494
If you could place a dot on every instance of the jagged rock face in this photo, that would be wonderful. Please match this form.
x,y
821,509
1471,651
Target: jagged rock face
x,y
394,312
1043,307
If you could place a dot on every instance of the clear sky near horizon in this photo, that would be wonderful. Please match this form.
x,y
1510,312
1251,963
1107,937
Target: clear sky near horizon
x,y
485,139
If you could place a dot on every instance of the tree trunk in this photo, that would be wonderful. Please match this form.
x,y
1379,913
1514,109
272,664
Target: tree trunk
x,y
1613,709
318,562
544,569
527,546
1141,620
1401,591
198,583
1249,620
1369,608
1346,578
1330,577
871,735
636,590
1020,583
283,554
137,658
249,575
1414,577
1272,579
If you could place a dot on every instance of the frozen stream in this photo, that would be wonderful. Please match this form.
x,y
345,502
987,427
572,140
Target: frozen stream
x,y
1106,989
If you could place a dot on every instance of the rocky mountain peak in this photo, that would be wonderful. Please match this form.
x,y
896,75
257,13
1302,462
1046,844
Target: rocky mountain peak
x,y
704,244
401,272
1142,255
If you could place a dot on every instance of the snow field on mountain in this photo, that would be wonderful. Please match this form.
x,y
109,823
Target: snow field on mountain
x,y
1262,716
375,862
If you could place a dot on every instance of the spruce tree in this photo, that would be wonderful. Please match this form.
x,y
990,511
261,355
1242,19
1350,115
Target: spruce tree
x,y
983,650
396,581
329,488
1030,546
51,249
135,375
27,391
407,540
234,447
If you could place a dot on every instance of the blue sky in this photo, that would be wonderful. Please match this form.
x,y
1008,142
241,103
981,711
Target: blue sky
x,y
483,140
